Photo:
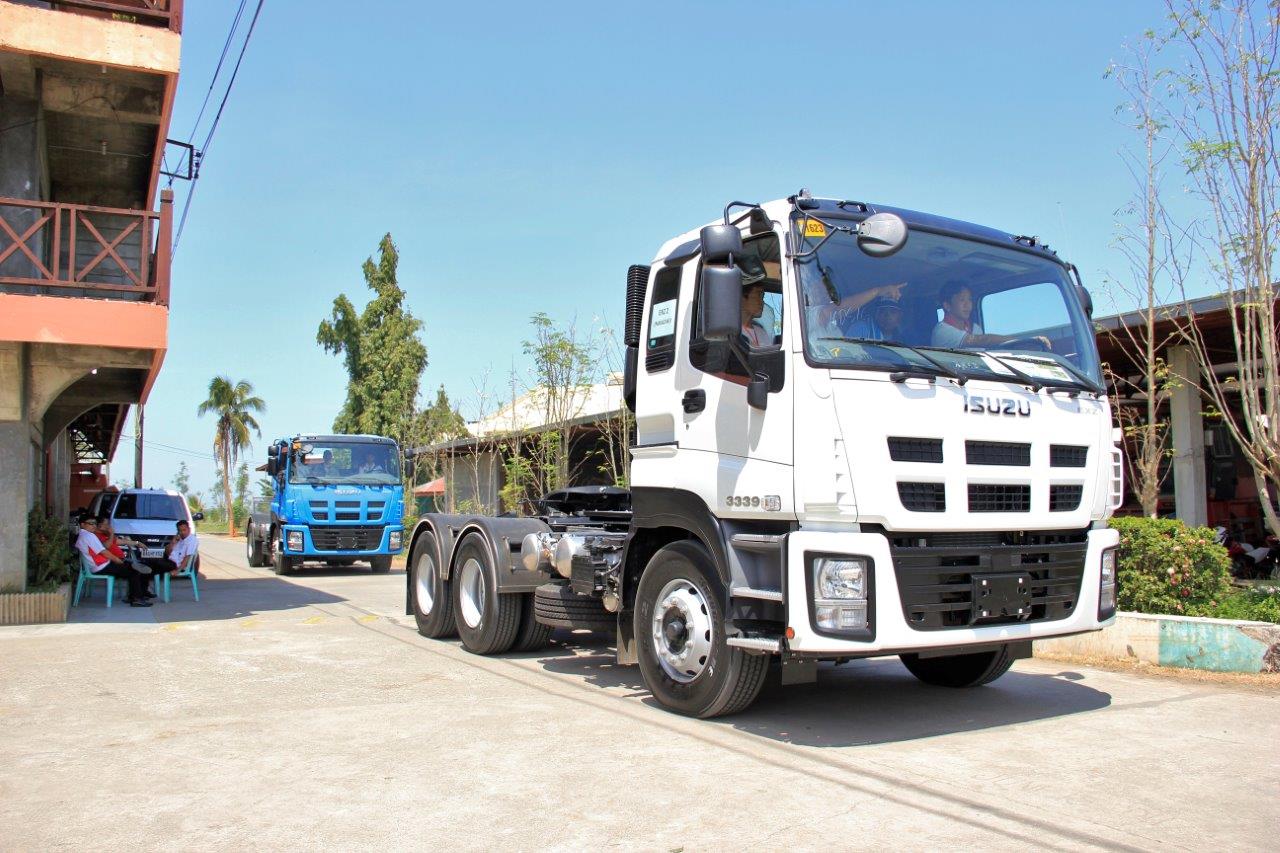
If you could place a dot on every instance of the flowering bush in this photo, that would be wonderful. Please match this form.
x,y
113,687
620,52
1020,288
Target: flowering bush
x,y
1166,567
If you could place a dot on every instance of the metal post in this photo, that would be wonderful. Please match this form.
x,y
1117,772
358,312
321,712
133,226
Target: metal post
x,y
137,446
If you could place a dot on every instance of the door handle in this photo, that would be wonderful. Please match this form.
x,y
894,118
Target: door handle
x,y
694,400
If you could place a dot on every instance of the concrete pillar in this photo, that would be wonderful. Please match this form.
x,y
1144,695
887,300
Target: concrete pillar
x,y
17,488
1189,481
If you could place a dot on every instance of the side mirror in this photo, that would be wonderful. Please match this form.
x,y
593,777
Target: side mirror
x,y
758,392
719,242
721,302
271,466
1086,301
882,234
197,516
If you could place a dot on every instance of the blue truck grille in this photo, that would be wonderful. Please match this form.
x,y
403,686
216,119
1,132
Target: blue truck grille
x,y
325,538
347,510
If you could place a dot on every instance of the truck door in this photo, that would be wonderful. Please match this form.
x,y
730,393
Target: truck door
x,y
725,450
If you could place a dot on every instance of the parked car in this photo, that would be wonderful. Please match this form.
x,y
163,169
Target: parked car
x,y
147,516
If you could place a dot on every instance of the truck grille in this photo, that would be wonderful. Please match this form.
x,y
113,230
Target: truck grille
x,y
923,497
986,497
346,538
935,574
1067,456
915,449
1065,498
997,453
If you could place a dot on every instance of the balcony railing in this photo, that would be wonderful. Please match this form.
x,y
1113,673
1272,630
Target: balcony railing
x,y
53,249
158,13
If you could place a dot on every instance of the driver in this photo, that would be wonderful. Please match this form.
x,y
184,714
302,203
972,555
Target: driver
x,y
369,465
958,329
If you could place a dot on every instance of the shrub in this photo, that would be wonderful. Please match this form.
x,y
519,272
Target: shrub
x,y
1166,567
1251,604
49,551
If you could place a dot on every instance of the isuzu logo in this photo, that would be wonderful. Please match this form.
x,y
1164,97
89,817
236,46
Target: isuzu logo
x,y
997,406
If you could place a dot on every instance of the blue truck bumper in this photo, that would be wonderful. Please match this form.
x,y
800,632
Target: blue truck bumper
x,y
344,541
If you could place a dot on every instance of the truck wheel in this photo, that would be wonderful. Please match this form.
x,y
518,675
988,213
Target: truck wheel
x,y
533,635
280,564
555,604
487,621
972,670
680,637
253,550
380,565
430,594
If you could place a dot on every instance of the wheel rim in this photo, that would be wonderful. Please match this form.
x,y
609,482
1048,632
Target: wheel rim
x,y
426,571
682,630
471,593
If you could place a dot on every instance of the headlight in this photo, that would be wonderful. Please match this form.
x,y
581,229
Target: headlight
x,y
393,541
1107,585
840,578
294,542
840,587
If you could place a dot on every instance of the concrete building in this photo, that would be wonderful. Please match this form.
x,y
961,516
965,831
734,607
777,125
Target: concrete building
x,y
1208,481
86,95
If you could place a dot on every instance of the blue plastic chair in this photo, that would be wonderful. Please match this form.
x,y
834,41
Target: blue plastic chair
x,y
191,571
88,575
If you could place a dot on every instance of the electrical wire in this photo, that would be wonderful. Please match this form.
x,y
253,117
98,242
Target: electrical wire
x,y
226,46
156,445
204,149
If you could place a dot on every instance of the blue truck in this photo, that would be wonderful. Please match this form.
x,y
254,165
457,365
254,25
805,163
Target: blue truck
x,y
338,500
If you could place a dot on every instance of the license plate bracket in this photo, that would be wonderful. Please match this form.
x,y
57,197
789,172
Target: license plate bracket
x,y
1003,597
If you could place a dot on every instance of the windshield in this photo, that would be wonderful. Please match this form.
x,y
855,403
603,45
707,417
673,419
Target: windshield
x,y
134,506
356,462
943,305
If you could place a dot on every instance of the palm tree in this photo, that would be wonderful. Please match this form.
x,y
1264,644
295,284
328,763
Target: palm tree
x,y
234,405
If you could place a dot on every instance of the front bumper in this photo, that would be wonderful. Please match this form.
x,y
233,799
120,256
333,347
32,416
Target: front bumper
x,y
890,632
335,541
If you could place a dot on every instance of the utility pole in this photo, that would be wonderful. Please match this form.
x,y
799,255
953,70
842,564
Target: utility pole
x,y
137,446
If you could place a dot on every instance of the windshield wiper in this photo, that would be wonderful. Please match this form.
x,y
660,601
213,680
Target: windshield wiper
x,y
959,376
1082,382
1022,376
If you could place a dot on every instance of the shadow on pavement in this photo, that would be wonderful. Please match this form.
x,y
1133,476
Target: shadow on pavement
x,y
220,598
859,703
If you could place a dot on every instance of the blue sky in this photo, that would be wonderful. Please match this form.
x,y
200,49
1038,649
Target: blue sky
x,y
522,155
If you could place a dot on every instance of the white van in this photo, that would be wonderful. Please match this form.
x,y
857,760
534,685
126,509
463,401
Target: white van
x,y
147,516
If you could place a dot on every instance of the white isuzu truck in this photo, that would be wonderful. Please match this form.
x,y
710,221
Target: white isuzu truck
x,y
860,431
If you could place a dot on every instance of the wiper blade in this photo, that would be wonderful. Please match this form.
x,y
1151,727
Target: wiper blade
x,y
959,376
1082,381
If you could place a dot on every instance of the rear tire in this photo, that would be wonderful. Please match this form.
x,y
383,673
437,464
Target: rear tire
x,y
533,635
280,564
253,550
680,637
430,595
380,565
972,670
487,621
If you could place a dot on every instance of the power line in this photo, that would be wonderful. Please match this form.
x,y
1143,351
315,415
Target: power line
x,y
217,117
156,445
235,24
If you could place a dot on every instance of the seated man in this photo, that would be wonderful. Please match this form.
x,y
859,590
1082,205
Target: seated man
x,y
369,464
957,329
826,313
107,563
879,320
179,553
752,308
108,537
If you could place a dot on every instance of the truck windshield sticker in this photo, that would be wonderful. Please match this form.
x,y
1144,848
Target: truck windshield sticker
x,y
662,321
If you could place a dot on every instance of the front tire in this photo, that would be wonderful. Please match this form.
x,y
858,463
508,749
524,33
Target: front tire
x,y
281,564
432,599
972,670
680,637
253,550
487,621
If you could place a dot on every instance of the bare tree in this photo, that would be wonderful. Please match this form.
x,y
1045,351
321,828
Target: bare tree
x,y
1157,254
565,366
618,428
1228,113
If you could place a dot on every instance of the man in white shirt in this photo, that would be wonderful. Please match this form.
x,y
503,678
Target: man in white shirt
x,y
178,554
106,563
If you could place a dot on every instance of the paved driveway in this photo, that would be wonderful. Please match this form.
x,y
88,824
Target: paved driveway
x,y
307,712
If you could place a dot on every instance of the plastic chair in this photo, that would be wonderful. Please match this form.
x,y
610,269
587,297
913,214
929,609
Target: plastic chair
x,y
88,575
191,571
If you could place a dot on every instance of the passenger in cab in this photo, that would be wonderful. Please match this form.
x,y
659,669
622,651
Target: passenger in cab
x,y
879,320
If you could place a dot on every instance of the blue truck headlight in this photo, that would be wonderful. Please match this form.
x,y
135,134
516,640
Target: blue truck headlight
x,y
840,588
1107,585
293,541
393,541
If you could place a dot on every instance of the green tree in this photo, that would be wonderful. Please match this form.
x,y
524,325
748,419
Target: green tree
x,y
383,355
437,423
182,479
242,492
234,405
564,367
266,487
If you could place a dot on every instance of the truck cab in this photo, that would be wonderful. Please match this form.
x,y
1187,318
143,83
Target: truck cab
x,y
337,499
860,431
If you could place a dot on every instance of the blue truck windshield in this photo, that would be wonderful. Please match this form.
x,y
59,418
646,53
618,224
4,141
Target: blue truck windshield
x,y
943,303
350,462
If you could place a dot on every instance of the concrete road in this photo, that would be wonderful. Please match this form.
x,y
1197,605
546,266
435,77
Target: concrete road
x,y
307,712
